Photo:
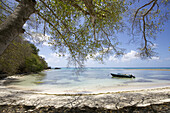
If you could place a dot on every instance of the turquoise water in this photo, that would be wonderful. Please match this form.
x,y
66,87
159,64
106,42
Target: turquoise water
x,y
94,75
96,80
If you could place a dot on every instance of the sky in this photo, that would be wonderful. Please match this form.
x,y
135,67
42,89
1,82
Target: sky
x,y
162,44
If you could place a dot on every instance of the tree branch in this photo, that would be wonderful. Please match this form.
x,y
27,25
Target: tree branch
x,y
144,26
55,15
6,10
78,7
110,43
6,5
138,11
67,43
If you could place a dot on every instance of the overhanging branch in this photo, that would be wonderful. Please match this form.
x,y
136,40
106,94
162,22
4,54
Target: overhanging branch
x,y
144,26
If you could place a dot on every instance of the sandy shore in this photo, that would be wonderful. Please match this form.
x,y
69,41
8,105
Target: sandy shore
x,y
112,100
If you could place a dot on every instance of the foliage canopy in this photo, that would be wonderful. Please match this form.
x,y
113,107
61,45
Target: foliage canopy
x,y
83,29
86,28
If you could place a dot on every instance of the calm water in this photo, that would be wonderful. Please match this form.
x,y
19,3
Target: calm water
x,y
94,80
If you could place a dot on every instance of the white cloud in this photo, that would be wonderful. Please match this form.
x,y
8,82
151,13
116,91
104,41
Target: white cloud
x,y
54,55
46,44
27,39
132,55
25,25
40,37
125,58
55,60
106,49
155,46
113,58
97,54
155,58
52,60
129,56
57,55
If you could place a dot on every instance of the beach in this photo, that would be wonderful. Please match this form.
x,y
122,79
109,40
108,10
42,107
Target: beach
x,y
124,97
112,100
109,100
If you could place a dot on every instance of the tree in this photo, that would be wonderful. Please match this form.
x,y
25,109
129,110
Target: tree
x,y
34,48
14,56
83,29
148,20
12,26
86,28
33,63
99,19
21,57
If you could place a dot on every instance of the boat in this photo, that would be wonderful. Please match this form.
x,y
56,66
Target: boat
x,y
57,68
122,75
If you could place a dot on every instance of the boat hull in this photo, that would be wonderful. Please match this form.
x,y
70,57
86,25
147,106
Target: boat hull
x,y
122,76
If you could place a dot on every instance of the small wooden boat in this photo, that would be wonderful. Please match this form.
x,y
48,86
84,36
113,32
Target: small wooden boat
x,y
122,75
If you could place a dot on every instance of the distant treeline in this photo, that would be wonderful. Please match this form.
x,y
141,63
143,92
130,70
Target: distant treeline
x,y
21,57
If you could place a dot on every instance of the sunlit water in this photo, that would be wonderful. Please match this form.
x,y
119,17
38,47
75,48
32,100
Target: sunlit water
x,y
92,80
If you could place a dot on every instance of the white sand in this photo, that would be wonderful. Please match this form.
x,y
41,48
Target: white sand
x,y
112,100
49,89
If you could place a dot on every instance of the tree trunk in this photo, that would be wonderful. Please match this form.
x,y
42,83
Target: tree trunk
x,y
12,27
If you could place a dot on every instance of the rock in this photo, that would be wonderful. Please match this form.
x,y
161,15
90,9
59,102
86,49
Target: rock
x,y
158,108
48,68
2,76
57,68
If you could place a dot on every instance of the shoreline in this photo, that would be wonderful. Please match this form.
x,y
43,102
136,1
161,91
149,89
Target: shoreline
x,y
49,89
109,100
157,89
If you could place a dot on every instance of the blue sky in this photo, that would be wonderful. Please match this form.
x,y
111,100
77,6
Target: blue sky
x,y
128,60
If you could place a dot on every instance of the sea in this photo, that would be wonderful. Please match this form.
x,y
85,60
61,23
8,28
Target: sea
x,y
92,80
